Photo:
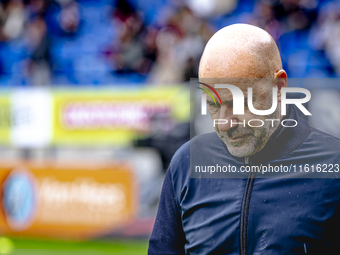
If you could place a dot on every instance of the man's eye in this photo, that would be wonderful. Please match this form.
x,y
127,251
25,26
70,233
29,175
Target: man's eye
x,y
214,106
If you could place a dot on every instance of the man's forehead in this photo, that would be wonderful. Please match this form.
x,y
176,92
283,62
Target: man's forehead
x,y
241,83
234,81
259,86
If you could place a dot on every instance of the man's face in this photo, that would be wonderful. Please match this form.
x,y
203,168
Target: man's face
x,y
244,140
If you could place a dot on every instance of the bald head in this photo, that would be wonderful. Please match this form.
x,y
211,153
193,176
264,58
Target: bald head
x,y
240,51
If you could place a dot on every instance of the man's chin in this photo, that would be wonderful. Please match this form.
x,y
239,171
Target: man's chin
x,y
243,146
240,148
242,151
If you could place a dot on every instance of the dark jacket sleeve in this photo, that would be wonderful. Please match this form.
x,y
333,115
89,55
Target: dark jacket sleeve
x,y
167,236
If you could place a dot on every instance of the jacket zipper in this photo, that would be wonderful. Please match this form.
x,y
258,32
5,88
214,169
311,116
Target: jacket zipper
x,y
245,211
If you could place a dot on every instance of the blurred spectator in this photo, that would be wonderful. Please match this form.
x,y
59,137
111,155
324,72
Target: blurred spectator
x,y
264,17
167,50
127,52
280,17
205,8
179,44
69,16
166,69
296,14
326,33
12,19
37,7
38,44
24,21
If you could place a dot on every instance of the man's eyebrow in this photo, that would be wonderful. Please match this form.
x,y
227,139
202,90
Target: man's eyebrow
x,y
227,102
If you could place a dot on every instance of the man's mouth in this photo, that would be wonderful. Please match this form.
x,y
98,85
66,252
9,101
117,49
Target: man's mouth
x,y
238,137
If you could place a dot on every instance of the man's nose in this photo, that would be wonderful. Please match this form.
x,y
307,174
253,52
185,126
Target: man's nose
x,y
228,120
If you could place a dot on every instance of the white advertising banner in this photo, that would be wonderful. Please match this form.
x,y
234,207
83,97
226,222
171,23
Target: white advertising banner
x,y
31,117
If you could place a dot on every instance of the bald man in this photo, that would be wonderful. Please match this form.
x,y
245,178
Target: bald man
x,y
249,53
227,212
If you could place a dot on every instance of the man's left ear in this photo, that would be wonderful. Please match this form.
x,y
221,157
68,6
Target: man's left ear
x,y
281,77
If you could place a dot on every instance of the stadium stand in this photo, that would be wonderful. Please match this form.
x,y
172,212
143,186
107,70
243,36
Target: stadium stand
x,y
137,42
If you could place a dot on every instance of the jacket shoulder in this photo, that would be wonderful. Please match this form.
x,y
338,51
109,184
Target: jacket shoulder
x,y
320,146
324,135
327,141
180,163
195,144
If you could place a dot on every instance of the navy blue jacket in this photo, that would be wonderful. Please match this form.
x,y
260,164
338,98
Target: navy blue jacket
x,y
253,213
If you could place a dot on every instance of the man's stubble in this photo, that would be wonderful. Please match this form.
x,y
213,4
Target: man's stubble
x,y
256,137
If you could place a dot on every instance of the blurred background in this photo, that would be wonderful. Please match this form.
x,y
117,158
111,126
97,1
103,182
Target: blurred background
x,y
94,101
